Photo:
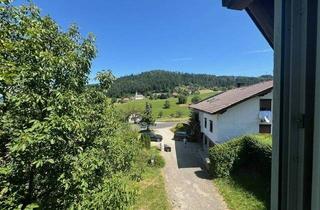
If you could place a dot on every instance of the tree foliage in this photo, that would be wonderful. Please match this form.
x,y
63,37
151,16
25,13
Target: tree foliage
x,y
194,128
62,144
166,104
147,117
160,81
145,140
105,79
182,99
195,99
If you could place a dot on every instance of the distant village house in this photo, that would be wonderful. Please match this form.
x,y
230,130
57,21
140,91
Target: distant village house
x,y
138,96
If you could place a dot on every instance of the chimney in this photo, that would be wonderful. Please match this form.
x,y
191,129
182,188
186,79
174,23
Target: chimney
x,y
240,84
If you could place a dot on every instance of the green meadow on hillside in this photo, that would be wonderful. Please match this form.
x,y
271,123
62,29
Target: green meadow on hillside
x,y
176,112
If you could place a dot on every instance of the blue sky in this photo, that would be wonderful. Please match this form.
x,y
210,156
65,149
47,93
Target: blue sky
x,y
196,36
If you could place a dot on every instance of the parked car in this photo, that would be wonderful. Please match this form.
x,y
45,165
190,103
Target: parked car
x,y
153,136
180,135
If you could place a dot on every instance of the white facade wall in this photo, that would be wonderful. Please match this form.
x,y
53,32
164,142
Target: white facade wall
x,y
238,120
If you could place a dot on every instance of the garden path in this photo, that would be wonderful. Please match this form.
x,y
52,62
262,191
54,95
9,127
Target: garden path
x,y
187,185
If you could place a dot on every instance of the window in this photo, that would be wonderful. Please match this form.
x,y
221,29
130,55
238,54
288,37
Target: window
x,y
205,122
265,104
211,126
264,128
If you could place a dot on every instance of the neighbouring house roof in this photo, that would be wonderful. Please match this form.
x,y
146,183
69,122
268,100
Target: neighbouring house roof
x,y
260,11
225,100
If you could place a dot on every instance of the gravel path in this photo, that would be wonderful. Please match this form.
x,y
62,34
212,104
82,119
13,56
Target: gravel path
x,y
188,187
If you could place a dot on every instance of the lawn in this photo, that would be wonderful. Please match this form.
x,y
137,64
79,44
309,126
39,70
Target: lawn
x,y
176,112
152,193
244,191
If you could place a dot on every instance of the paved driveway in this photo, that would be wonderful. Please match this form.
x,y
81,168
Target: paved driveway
x,y
161,125
188,187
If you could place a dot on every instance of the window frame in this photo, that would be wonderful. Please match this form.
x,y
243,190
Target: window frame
x,y
264,101
211,126
265,125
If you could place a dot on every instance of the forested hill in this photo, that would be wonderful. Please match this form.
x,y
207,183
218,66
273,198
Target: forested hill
x,y
164,81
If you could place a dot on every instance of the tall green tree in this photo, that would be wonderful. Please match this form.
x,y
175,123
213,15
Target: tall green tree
x,y
166,104
182,99
194,127
61,144
183,93
147,116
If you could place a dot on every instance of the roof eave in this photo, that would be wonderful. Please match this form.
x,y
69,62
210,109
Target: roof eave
x,y
200,110
236,4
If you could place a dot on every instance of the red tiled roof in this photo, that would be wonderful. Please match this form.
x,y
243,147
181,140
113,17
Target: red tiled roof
x,y
232,97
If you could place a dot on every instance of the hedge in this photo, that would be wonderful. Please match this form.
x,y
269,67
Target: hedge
x,y
253,151
260,154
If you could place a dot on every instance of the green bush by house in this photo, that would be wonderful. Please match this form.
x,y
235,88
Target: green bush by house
x,y
180,127
259,153
242,169
247,151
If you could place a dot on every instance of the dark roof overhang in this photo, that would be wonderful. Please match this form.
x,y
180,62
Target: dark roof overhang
x,y
260,11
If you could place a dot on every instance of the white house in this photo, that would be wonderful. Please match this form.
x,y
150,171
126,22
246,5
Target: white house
x,y
236,112
138,96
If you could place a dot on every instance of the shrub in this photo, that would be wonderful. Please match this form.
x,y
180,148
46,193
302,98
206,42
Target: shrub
x,y
166,104
158,160
182,99
243,151
160,114
195,99
145,141
113,100
223,157
115,193
152,97
261,153
164,96
180,127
